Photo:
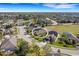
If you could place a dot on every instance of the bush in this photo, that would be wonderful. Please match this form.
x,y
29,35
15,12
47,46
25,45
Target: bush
x,y
22,48
64,45
60,42
38,38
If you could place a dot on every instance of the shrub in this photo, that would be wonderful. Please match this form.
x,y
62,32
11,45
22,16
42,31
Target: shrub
x,y
64,45
60,42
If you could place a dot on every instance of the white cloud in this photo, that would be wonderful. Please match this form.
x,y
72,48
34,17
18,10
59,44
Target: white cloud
x,y
63,5
3,9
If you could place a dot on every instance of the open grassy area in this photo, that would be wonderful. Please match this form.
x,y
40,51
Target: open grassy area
x,y
65,28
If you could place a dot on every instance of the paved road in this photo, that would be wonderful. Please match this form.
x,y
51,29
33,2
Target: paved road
x,y
27,37
22,34
67,51
53,22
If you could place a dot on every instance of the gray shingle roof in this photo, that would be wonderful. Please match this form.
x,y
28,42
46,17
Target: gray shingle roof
x,y
9,44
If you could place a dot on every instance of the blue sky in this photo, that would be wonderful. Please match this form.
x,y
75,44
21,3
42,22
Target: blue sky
x,y
39,7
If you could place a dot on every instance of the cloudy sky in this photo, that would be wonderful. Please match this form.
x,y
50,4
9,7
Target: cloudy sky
x,y
39,7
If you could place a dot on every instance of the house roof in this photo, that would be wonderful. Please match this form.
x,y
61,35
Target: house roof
x,y
7,37
53,32
9,44
70,35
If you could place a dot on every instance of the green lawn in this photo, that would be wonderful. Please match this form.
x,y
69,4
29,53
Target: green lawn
x,y
1,35
16,31
62,44
65,28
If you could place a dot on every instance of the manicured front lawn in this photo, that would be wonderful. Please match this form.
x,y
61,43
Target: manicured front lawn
x,y
65,28
62,44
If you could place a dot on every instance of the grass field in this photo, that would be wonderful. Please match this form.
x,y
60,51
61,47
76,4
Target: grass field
x,y
65,28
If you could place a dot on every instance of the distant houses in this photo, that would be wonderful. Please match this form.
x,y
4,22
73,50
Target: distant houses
x,y
19,22
52,21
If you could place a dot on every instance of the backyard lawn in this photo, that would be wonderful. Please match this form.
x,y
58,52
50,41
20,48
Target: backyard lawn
x,y
65,28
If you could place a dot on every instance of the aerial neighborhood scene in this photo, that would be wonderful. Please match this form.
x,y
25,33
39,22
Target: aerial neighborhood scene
x,y
39,29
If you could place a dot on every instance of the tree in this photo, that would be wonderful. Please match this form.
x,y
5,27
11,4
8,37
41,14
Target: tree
x,y
22,48
1,53
34,49
47,49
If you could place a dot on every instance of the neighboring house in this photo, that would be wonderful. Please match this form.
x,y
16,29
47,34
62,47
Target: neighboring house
x,y
70,36
10,43
46,39
7,31
53,33
78,36
6,25
52,36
